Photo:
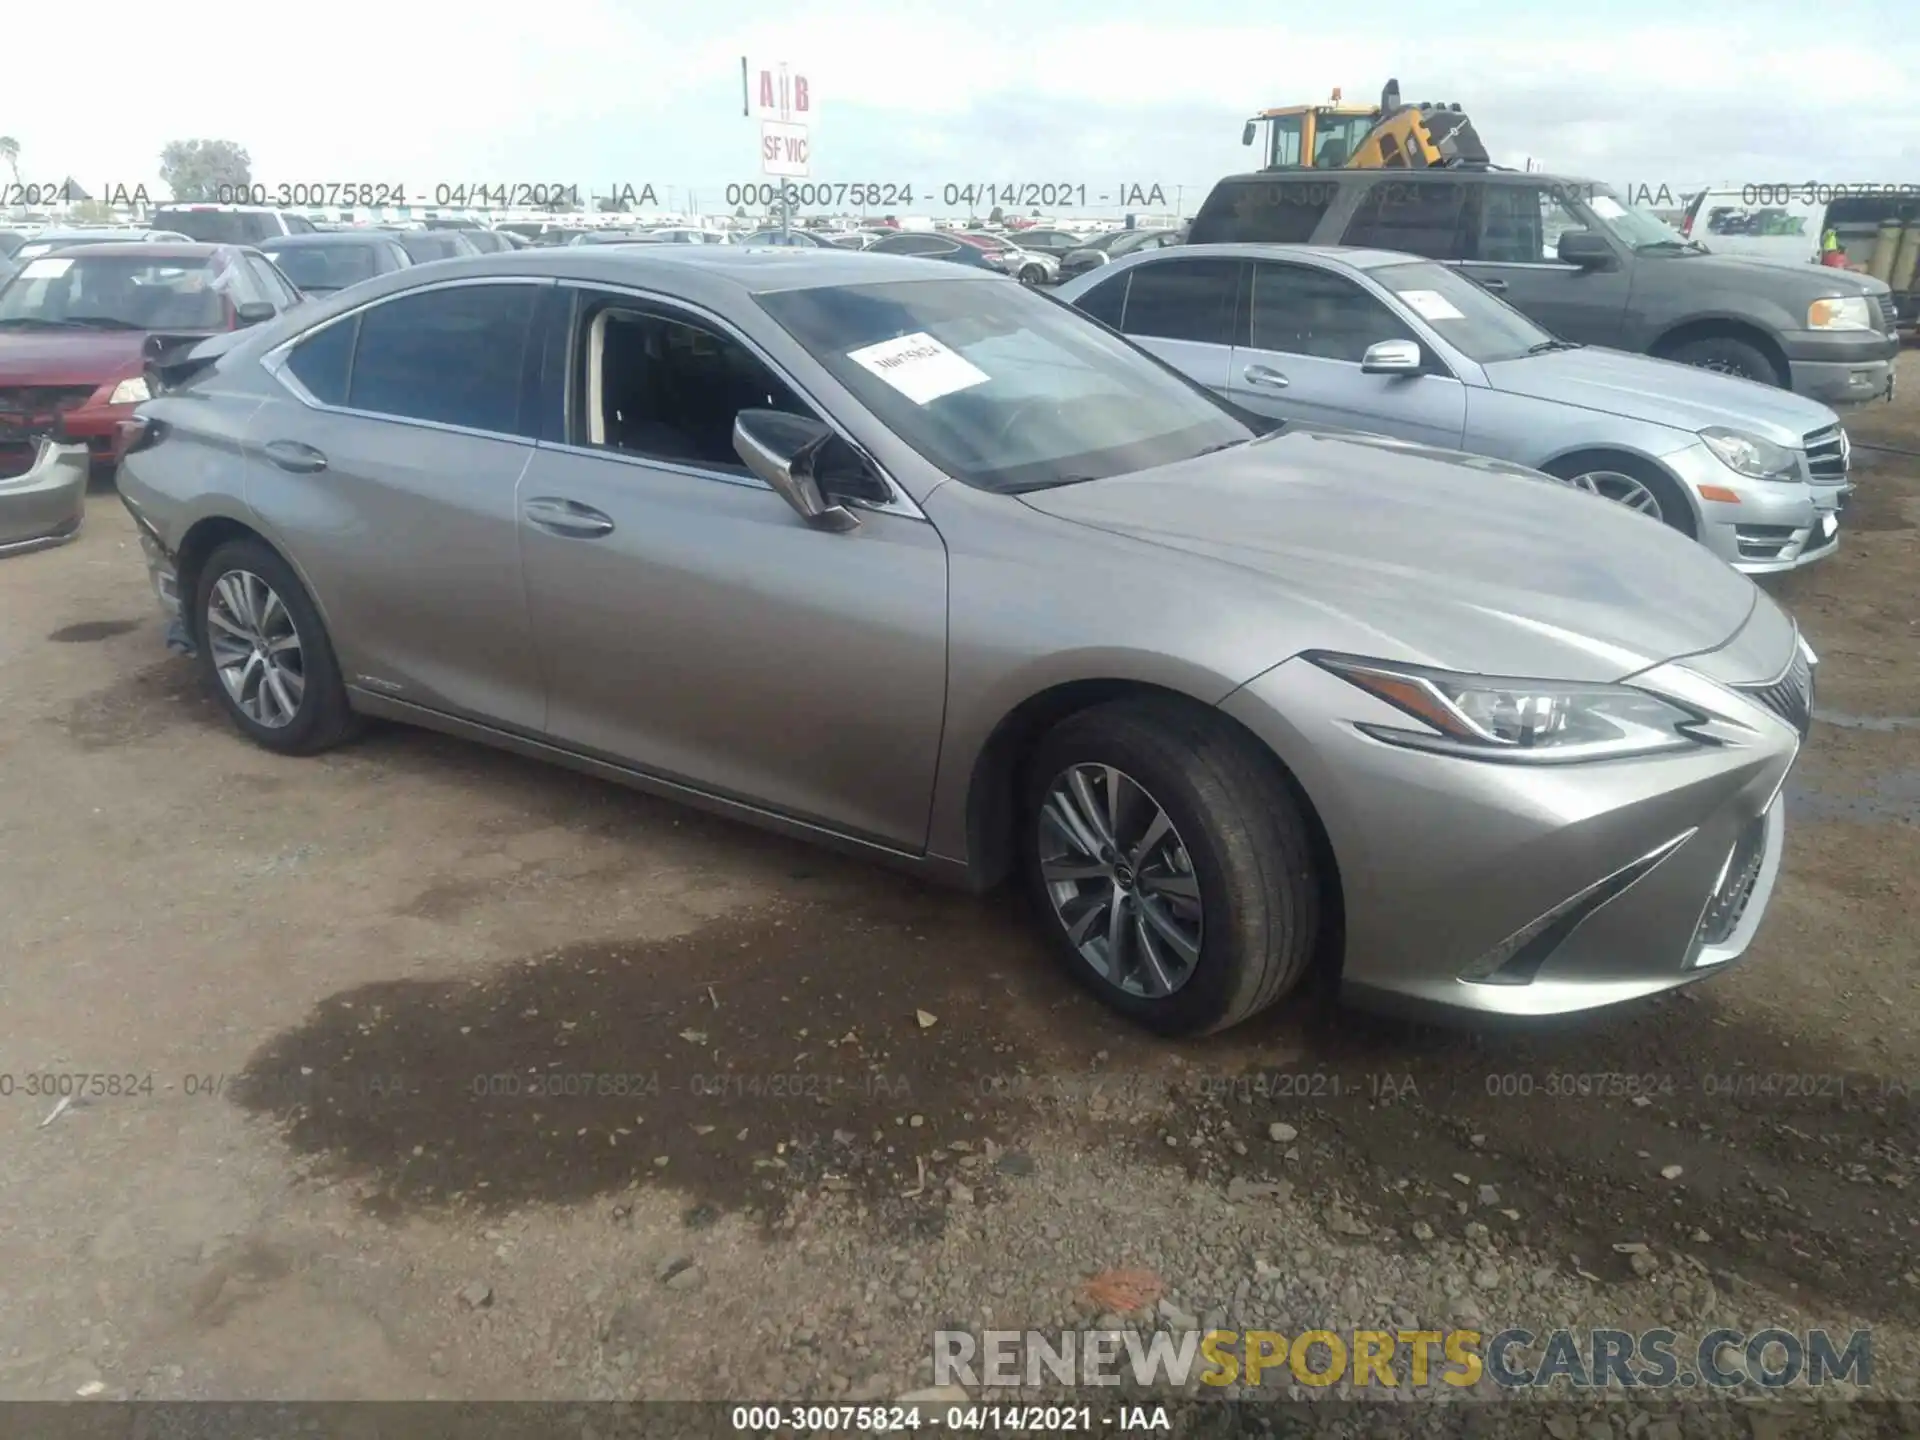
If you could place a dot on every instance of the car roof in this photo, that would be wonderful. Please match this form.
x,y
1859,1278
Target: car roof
x,y
323,237
696,272
1354,257
1494,177
210,205
156,250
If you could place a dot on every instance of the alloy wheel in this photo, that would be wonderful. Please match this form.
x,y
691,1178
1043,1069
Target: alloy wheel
x,y
1121,880
256,649
1621,489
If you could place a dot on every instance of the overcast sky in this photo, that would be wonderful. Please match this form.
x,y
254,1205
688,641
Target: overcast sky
x,y
1081,92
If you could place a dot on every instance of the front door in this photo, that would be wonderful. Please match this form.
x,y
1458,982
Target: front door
x,y
691,625
1514,253
1309,330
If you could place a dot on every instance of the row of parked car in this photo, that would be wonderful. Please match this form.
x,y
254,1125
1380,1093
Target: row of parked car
x,y
1258,606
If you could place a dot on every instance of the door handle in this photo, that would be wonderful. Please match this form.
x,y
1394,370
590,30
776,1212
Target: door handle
x,y
1265,376
567,517
1493,283
292,455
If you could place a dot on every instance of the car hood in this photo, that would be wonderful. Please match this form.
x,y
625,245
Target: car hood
x,y
1431,556
1821,279
69,357
1663,392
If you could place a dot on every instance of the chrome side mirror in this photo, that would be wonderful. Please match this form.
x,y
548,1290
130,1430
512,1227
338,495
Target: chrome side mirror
x,y
781,449
1392,357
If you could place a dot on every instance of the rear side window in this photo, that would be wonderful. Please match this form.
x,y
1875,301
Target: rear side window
x,y
1106,301
296,224
453,356
218,227
320,362
1421,217
1264,213
1183,300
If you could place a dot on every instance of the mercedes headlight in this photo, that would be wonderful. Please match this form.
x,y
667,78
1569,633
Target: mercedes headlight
x,y
1751,456
130,392
1481,717
1843,312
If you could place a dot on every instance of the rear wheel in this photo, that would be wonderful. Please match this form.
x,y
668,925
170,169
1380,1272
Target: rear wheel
x,y
265,654
1729,356
1630,481
1170,864
1033,275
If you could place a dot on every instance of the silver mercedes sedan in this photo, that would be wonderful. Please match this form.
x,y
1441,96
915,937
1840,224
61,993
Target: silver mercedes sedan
x,y
900,558
1403,346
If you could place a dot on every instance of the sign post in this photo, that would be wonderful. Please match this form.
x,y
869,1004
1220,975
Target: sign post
x,y
780,95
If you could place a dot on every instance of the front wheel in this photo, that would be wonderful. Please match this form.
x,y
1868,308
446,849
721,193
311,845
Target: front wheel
x,y
1033,275
1170,864
1629,481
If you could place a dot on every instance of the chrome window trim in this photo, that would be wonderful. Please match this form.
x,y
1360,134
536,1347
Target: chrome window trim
x,y
901,504
274,362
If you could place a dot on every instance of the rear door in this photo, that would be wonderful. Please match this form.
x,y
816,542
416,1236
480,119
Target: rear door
x,y
1308,330
1512,250
393,461
1185,310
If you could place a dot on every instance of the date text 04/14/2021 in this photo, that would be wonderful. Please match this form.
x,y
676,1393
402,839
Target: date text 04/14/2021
x,y
910,1413
1011,195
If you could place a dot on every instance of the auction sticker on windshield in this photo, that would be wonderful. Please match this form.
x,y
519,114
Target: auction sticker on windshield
x,y
919,367
1431,305
46,269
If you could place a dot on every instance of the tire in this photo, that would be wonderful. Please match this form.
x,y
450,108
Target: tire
x,y
1729,356
320,717
1248,848
1675,512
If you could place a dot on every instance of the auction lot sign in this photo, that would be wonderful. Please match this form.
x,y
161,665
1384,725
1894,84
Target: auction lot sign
x,y
780,96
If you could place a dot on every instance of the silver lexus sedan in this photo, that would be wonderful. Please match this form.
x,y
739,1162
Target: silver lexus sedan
x,y
903,559
1403,346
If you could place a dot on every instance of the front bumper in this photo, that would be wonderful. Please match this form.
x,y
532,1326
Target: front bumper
x,y
1774,525
45,504
1646,874
1842,369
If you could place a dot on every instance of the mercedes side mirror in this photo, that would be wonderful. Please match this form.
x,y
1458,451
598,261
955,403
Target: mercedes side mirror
x,y
1392,357
784,450
1585,249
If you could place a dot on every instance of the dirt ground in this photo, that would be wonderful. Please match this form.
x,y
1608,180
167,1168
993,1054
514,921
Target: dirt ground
x,y
427,1071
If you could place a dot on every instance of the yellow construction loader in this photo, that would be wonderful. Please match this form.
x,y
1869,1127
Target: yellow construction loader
x,y
1390,135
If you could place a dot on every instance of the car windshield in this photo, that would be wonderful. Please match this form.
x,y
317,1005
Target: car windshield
x,y
1641,229
1128,239
325,267
1000,387
423,245
217,227
1479,326
115,292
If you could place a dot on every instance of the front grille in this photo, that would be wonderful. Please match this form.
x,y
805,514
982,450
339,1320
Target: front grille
x,y
1729,902
1827,456
37,402
1889,313
1791,696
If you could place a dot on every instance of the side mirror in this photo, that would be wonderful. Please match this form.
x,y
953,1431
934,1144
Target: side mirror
x,y
1585,249
782,450
1246,134
1392,357
253,312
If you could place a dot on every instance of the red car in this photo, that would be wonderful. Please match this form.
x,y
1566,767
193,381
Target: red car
x,y
78,326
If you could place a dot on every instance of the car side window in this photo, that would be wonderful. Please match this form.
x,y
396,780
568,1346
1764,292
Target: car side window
x,y
667,388
1285,213
1298,310
454,356
1419,216
1520,224
272,285
1107,301
1183,300
321,361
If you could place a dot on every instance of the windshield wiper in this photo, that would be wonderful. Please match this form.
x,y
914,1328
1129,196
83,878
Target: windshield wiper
x,y
1223,445
1684,246
1054,484
38,320
103,322
1545,345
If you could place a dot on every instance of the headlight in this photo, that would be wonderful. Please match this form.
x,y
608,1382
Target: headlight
x,y
130,392
1842,312
1751,456
1481,717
